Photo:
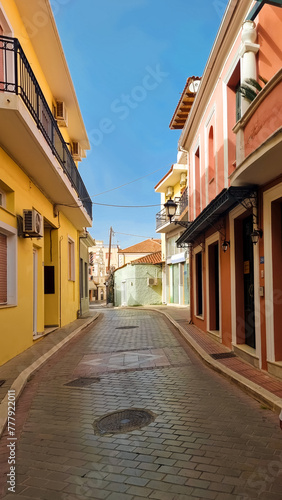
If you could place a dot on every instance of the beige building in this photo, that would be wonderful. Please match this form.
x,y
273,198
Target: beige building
x,y
99,267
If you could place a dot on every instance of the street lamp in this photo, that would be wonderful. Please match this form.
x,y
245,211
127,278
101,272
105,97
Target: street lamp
x,y
255,235
170,208
225,245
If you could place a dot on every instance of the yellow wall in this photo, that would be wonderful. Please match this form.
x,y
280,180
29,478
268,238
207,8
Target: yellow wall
x,y
17,322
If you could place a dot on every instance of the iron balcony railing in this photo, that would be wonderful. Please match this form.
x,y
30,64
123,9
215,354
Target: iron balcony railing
x,y
17,77
162,219
182,202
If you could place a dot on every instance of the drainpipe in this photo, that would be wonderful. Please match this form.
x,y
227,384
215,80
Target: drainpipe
x,y
60,280
81,274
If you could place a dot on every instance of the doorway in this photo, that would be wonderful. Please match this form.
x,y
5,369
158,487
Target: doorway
x,y
213,256
249,303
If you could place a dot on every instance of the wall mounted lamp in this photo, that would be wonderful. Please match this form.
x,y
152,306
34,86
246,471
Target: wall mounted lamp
x,y
255,235
225,245
170,208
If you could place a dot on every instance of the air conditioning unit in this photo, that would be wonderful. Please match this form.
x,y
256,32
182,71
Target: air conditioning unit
x,y
183,179
169,192
32,223
152,281
76,151
61,113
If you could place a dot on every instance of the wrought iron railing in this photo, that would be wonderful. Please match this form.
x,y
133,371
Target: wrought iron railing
x,y
183,202
17,77
161,217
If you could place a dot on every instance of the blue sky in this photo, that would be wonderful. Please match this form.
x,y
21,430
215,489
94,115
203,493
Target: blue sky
x,y
129,60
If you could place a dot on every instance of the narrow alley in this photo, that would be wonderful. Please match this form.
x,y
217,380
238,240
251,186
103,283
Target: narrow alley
x,y
205,437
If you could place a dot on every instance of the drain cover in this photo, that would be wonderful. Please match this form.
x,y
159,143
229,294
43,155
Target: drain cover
x,y
126,327
123,421
83,382
223,355
2,382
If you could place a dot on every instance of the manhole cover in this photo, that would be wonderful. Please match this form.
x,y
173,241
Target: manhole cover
x,y
83,382
126,327
223,355
2,382
123,421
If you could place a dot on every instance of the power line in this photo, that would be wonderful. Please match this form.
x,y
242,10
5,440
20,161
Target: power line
x,y
137,235
125,206
127,183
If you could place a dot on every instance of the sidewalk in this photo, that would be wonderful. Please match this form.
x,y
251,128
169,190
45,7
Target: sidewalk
x,y
263,387
259,384
15,373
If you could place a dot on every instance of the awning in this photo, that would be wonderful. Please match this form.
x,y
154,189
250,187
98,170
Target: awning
x,y
223,203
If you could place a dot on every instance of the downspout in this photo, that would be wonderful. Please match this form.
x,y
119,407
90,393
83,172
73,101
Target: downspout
x,y
60,280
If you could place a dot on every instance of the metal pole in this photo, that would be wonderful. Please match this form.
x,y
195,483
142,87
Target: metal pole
x,y
110,247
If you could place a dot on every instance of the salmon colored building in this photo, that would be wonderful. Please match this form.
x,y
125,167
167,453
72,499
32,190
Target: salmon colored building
x,y
234,150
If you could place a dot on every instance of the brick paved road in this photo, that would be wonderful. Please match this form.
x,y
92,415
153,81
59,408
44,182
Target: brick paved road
x,y
209,439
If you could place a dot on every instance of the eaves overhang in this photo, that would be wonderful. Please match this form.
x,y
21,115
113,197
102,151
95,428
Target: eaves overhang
x,y
231,24
47,45
171,178
222,204
184,105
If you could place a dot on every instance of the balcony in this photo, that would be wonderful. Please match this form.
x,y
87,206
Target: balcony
x,y
259,137
30,135
163,224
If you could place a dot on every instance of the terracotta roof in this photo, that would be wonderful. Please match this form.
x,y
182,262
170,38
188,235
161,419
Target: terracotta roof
x,y
148,246
152,258
184,105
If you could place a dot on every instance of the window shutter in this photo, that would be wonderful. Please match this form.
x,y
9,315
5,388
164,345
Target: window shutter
x,y
238,104
3,268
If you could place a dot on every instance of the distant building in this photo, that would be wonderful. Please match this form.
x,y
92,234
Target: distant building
x,y
139,283
98,268
139,250
176,260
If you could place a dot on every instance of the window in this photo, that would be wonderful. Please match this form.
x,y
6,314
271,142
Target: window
x,y
71,261
7,197
197,182
3,268
211,155
8,265
2,198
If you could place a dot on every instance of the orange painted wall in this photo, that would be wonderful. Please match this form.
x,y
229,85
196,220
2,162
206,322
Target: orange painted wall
x,y
265,121
270,40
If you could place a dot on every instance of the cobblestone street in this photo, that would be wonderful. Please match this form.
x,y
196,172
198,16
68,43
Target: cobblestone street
x,y
208,440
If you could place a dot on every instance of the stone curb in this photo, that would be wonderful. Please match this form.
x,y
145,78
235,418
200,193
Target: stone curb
x,y
255,390
20,382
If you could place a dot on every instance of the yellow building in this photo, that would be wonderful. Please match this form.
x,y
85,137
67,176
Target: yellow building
x,y
175,272
44,205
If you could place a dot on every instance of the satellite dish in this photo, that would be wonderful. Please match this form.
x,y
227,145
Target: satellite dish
x,y
194,85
